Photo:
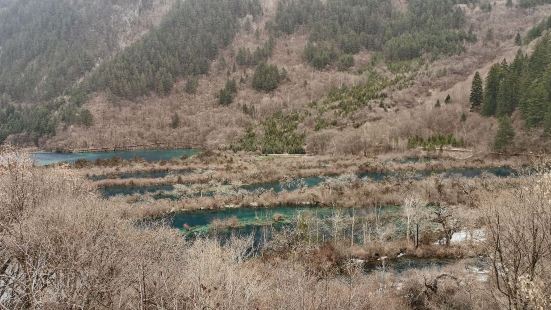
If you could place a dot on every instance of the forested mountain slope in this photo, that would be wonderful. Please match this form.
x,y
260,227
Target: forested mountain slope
x,y
347,76
48,45
184,44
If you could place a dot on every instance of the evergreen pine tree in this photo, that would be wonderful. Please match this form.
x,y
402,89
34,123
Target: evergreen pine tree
x,y
225,97
491,90
266,77
448,99
437,105
534,104
86,118
477,92
507,96
509,3
518,39
505,134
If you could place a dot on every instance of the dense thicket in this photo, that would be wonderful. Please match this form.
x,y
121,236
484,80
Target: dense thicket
x,y
279,135
35,121
47,45
345,27
183,45
41,119
267,77
523,84
532,3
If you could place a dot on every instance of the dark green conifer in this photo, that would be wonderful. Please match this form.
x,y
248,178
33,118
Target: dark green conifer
x,y
477,93
489,104
505,134
518,39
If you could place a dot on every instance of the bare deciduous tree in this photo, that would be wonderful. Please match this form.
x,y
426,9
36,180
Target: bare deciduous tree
x,y
519,244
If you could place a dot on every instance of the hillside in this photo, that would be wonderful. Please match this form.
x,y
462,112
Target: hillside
x,y
352,77
49,45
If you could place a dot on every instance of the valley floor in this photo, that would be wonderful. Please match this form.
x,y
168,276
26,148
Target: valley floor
x,y
279,231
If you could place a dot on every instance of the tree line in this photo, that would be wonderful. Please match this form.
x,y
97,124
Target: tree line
x,y
523,84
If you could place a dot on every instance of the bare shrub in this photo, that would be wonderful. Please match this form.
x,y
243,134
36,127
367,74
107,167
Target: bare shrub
x,y
519,244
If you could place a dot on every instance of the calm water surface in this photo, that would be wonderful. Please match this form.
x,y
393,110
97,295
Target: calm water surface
x,y
48,158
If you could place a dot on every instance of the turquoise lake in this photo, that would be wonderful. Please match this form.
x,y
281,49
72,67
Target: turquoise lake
x,y
49,158
260,223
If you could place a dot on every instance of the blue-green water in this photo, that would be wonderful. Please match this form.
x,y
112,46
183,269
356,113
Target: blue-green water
x,y
289,186
275,186
201,220
151,174
262,223
245,218
48,158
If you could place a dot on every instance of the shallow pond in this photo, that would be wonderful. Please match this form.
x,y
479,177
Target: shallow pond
x,y
501,172
289,186
262,223
151,174
244,218
48,158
